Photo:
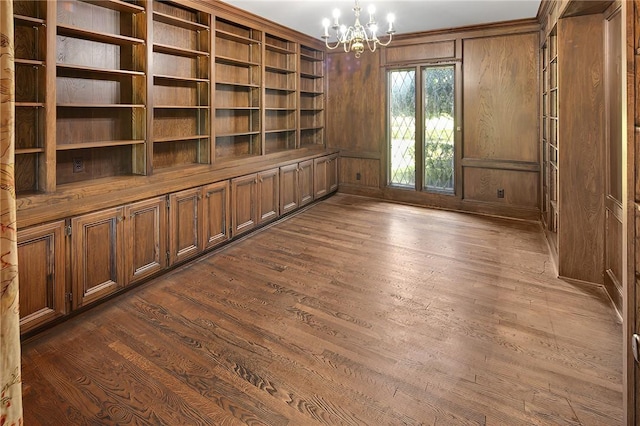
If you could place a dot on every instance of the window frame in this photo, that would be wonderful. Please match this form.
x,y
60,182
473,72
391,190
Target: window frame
x,y
420,186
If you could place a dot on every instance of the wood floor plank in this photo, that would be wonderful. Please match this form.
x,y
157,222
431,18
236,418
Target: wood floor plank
x,y
353,312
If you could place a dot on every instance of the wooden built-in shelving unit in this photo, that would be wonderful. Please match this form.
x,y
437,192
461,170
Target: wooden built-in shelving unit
x,y
181,86
149,132
111,88
549,138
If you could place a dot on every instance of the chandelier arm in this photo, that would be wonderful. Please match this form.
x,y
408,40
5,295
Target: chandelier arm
x,y
387,42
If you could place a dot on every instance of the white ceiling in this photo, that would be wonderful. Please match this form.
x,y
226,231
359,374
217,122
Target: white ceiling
x,y
411,16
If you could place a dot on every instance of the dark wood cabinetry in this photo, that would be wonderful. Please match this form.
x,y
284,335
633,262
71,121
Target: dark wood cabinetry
x,y
42,283
216,203
296,186
244,191
185,232
156,131
146,238
325,171
97,250
268,195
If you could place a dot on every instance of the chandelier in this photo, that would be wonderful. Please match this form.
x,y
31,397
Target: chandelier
x,y
355,37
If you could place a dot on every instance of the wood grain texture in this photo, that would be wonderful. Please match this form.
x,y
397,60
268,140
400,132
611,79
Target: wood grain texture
x,y
420,52
520,188
581,148
350,78
360,171
355,311
43,283
500,90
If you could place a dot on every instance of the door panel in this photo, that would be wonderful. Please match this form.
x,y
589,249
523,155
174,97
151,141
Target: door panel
x,y
97,246
216,214
244,215
269,198
289,192
145,231
185,239
305,182
42,282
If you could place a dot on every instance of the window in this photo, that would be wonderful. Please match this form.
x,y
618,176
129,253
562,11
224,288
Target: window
x,y
434,105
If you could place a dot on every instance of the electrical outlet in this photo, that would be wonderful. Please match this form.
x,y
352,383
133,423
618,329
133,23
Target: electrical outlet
x,y
500,193
358,176
78,165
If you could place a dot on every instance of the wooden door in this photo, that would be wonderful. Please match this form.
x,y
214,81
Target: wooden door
x,y
289,190
320,187
268,195
216,214
145,233
97,247
305,182
613,197
41,273
332,173
244,213
185,213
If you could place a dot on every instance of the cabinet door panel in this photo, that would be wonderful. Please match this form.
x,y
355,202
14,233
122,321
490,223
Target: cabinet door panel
x,y
184,224
320,177
305,182
289,193
145,231
269,199
332,173
245,211
41,274
97,246
216,214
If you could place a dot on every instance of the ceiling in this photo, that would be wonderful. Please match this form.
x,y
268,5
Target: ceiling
x,y
411,16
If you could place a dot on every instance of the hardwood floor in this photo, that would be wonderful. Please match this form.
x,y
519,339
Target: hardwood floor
x,y
354,312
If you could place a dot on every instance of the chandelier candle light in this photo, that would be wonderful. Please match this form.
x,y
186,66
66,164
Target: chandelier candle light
x,y
354,38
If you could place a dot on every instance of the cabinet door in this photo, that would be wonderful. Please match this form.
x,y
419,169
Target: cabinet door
x,y
244,204
305,182
97,248
268,195
41,273
146,235
289,191
185,238
332,173
216,214
320,177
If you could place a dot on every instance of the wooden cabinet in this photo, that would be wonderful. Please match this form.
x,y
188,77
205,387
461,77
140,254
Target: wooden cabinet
x,y
100,97
216,213
244,215
97,250
34,96
312,100
296,186
280,64
268,195
238,73
180,86
41,256
325,175
146,238
185,230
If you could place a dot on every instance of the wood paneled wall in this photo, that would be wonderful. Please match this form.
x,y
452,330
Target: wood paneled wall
x,y
357,128
581,148
499,121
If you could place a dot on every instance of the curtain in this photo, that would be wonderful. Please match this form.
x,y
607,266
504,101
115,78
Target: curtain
x,y
10,378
